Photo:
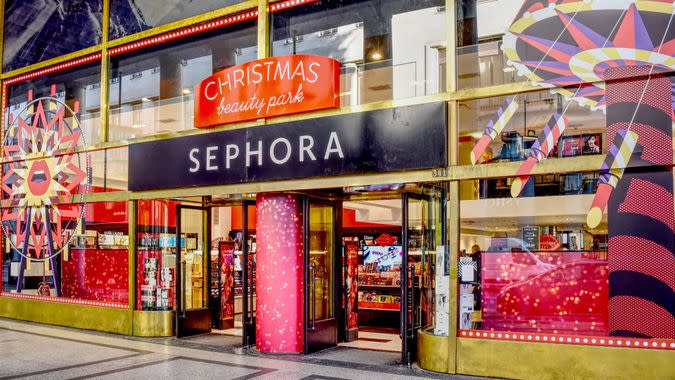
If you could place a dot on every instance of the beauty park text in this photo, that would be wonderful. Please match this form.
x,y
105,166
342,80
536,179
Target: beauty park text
x,y
268,87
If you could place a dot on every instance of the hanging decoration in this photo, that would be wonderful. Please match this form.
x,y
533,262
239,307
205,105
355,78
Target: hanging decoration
x,y
540,150
611,172
494,128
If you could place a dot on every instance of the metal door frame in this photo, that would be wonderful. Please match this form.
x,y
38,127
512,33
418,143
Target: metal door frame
x,y
308,321
205,312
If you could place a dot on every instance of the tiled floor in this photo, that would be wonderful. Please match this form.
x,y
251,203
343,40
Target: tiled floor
x,y
29,350
377,341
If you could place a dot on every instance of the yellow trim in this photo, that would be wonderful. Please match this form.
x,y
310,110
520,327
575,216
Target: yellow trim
x,y
105,83
523,360
132,211
218,13
263,29
153,323
53,61
432,352
105,319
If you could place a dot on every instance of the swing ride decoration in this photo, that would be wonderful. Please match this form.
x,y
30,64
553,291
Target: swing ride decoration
x,y
44,181
615,57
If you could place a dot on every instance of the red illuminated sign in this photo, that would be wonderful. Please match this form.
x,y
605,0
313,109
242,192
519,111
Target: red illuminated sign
x,y
268,87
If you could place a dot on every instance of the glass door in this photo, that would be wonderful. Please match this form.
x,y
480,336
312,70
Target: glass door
x,y
423,234
193,315
321,266
247,279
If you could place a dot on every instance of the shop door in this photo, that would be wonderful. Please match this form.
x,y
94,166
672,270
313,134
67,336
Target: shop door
x,y
247,279
193,315
423,236
321,244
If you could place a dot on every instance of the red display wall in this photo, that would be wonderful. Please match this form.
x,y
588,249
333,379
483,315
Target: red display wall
x,y
96,274
279,261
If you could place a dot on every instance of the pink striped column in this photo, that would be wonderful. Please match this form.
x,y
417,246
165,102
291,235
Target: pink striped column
x,y
279,273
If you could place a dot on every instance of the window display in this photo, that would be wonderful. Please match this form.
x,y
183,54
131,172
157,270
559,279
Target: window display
x,y
156,255
92,268
534,265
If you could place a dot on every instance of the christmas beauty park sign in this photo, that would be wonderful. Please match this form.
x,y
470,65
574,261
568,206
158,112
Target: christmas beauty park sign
x,y
267,87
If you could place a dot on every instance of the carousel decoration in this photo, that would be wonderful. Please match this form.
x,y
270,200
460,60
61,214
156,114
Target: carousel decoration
x,y
615,57
44,182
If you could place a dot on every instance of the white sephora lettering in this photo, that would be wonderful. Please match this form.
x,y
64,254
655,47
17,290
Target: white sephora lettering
x,y
255,153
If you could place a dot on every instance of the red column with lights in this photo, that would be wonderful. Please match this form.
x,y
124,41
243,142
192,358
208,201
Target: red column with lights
x,y
279,271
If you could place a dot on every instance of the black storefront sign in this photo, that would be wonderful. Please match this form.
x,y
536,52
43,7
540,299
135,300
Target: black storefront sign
x,y
403,138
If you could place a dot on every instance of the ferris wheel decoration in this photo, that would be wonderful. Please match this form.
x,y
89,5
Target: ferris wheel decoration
x,y
44,180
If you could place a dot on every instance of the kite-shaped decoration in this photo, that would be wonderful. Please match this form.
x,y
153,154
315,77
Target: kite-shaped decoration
x,y
562,45
540,150
494,128
611,172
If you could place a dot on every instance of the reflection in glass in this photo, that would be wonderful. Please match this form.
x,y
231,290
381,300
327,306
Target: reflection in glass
x,y
133,16
382,56
151,91
321,260
584,134
35,31
192,269
80,85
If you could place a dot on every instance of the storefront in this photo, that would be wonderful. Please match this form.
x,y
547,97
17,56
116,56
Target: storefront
x,y
493,184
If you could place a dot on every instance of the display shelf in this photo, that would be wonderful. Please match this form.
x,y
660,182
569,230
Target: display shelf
x,y
381,306
393,287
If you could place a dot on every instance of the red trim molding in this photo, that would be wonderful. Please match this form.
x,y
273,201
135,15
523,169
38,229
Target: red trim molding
x,y
283,5
66,300
52,69
663,344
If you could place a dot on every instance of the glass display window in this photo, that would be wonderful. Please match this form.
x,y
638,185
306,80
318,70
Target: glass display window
x,y
382,57
129,17
35,31
77,88
87,263
151,91
156,255
545,265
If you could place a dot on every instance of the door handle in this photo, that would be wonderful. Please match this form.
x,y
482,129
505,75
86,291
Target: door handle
x,y
312,269
404,312
413,307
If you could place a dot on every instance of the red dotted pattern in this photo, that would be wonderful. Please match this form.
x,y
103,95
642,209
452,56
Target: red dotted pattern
x,y
644,198
659,204
660,325
660,265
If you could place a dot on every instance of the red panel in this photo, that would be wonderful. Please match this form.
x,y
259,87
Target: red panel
x,y
96,274
267,87
157,213
279,284
106,212
237,218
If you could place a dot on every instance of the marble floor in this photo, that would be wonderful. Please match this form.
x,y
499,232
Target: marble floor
x,y
30,350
